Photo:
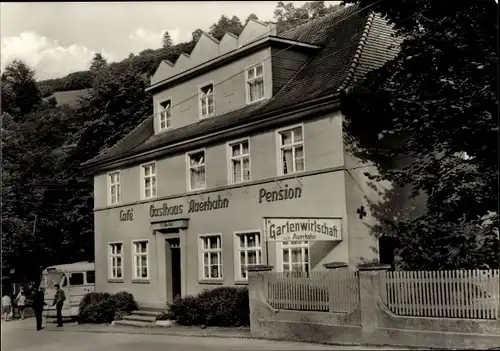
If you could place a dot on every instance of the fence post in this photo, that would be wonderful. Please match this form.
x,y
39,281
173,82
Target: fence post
x,y
332,286
257,290
369,291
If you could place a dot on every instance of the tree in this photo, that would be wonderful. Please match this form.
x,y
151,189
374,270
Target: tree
x,y
225,25
131,55
20,93
98,63
251,16
197,34
434,101
287,16
167,40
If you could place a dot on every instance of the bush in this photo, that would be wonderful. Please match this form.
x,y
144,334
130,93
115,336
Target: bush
x,y
223,307
104,307
166,316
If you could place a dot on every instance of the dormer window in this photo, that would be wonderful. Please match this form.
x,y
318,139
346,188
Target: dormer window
x,y
206,94
255,83
165,114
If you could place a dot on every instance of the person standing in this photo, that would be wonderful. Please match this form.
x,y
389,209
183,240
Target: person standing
x,y
6,307
38,303
21,303
59,299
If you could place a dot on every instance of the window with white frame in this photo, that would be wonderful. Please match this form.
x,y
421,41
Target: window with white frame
x,y
295,256
255,83
116,260
165,114
114,188
211,252
148,180
291,144
197,174
141,264
249,252
206,101
240,161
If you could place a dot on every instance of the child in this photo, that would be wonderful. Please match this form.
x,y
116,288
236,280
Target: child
x,y
6,307
21,303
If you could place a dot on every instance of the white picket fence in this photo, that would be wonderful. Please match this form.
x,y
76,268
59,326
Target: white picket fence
x,y
452,294
331,291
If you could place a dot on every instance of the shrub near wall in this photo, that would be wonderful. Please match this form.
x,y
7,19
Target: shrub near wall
x,y
104,307
222,307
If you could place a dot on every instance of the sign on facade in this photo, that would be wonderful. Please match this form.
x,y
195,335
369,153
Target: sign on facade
x,y
303,229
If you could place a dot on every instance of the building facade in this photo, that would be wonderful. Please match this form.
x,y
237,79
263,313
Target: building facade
x,y
244,162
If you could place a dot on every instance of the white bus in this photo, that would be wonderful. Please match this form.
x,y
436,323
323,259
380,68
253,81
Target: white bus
x,y
75,279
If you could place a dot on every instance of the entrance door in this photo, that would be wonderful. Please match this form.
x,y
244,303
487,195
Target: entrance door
x,y
175,254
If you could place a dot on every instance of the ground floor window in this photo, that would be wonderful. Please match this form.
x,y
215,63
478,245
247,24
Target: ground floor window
x,y
141,258
115,261
249,252
211,252
295,256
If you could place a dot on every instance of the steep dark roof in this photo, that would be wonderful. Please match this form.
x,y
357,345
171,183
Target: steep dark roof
x,y
343,35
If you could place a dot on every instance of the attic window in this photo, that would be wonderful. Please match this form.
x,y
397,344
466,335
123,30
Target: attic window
x,y
165,114
255,83
206,94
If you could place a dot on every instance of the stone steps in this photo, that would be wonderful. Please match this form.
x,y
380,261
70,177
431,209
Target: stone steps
x,y
145,317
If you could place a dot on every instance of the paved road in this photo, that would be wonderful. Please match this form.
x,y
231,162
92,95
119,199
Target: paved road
x,y
20,336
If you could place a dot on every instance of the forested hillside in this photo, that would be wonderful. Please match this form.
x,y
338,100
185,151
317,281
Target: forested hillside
x,y
47,203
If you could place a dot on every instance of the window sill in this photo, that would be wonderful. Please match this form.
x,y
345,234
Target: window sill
x,y
241,282
255,101
140,281
211,281
116,280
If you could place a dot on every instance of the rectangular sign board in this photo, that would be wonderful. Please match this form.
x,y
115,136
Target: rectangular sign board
x,y
303,229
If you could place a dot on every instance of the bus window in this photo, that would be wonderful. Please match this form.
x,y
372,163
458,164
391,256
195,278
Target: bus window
x,y
76,279
64,281
90,277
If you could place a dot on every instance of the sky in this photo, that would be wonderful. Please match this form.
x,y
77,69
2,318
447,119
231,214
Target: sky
x,y
56,39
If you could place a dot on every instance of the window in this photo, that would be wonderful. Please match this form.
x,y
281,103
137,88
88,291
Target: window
x,y
115,261
76,279
240,162
249,252
141,264
291,144
255,83
295,256
149,180
90,277
197,174
114,195
211,251
165,115
206,101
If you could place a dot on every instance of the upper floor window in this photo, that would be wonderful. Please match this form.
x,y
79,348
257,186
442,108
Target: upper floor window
x,y
255,83
291,150
148,180
240,161
114,193
206,94
165,114
197,174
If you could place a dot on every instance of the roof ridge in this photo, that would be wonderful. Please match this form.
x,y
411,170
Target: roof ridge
x,y
359,50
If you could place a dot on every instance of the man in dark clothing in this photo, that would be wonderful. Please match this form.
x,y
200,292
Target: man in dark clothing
x,y
38,303
59,299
